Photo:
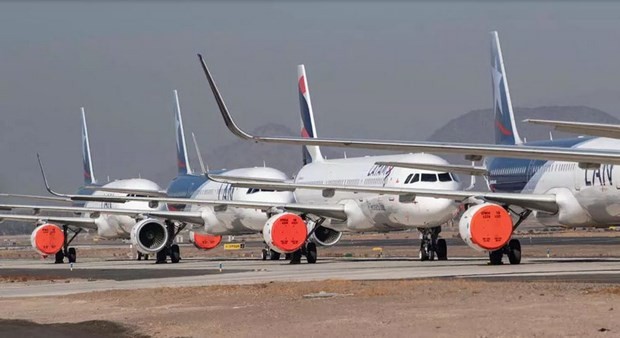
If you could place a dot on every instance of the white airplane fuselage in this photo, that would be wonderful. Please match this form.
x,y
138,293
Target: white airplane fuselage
x,y
375,212
586,197
115,225
235,220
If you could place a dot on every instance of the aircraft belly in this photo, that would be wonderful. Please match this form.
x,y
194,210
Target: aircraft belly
x,y
115,226
602,203
236,221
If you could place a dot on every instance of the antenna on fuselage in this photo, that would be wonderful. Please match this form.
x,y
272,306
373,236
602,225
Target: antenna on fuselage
x,y
344,154
550,136
202,164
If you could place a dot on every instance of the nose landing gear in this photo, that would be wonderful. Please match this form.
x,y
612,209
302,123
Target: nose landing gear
x,y
431,246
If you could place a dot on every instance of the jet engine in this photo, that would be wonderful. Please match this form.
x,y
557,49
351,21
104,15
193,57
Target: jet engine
x,y
47,239
204,241
325,237
149,235
285,232
486,227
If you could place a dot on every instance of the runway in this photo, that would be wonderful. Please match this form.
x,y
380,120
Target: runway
x,y
121,275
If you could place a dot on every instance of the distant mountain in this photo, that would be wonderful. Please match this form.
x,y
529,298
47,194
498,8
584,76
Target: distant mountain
x,y
477,125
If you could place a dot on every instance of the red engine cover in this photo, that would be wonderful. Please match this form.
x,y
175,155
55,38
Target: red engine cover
x,y
491,227
204,241
47,239
285,232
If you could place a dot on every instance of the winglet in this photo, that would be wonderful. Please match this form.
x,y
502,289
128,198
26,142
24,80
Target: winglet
x,y
182,158
47,186
89,175
222,106
202,164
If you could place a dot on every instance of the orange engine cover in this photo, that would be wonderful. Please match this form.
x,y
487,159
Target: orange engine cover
x,y
285,233
486,227
47,239
204,241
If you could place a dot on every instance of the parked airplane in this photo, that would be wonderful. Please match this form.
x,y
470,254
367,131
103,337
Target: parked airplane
x,y
369,211
570,182
54,235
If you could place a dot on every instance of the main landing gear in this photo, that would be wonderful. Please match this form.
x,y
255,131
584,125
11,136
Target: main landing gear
x,y
69,252
170,250
513,248
309,250
432,246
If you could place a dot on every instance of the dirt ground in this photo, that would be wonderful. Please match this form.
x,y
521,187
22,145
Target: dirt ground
x,y
438,307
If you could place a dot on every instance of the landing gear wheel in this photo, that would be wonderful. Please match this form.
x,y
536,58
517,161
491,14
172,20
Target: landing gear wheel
x,y
161,256
311,253
264,254
146,257
139,258
175,253
59,257
72,255
274,255
296,257
496,257
423,254
514,251
442,250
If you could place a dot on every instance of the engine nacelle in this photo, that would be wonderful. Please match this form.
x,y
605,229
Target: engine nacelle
x,y
47,239
149,236
204,241
325,237
285,232
486,227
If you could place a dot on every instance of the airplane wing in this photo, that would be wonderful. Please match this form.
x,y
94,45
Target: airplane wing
x,y
584,128
471,151
194,217
542,202
80,222
452,168
46,198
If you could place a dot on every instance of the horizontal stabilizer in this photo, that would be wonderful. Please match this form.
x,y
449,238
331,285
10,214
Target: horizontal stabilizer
x,y
451,168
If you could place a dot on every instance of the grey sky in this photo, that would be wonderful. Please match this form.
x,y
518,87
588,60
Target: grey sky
x,y
386,70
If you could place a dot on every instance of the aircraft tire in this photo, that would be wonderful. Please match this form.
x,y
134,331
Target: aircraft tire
x,y
72,255
274,255
495,257
161,256
264,254
296,257
175,253
442,250
59,257
311,253
514,251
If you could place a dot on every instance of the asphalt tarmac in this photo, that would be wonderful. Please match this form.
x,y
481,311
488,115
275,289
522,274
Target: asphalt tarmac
x,y
107,275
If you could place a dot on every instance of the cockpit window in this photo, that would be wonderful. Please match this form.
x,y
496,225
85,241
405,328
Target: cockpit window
x,y
444,177
255,190
408,178
416,178
429,178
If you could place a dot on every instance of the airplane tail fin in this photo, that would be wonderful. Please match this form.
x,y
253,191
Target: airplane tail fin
x,y
182,157
308,128
505,126
87,161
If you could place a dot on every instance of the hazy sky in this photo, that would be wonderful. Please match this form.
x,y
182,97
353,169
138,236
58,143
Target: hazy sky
x,y
386,70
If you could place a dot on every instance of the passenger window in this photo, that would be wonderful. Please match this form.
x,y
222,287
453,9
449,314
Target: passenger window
x,y
408,178
416,178
429,178
444,177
